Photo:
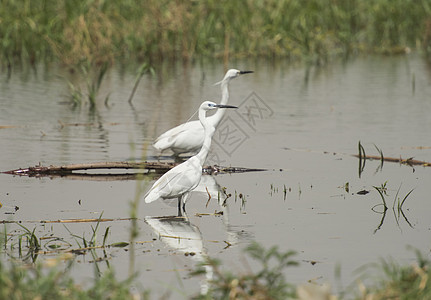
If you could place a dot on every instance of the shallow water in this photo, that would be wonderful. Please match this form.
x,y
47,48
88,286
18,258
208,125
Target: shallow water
x,y
302,125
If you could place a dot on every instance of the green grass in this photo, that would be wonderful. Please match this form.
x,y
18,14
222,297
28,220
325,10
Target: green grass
x,y
25,277
51,279
395,281
36,282
73,32
267,283
89,93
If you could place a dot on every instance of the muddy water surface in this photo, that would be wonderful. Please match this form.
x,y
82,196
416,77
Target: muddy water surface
x,y
302,125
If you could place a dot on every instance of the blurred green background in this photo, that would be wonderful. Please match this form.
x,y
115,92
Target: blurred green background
x,y
74,31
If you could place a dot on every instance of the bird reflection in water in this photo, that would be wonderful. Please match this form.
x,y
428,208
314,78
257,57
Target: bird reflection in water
x,y
181,235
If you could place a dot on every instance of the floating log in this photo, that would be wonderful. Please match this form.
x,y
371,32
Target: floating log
x,y
75,170
405,161
68,169
219,169
94,220
409,161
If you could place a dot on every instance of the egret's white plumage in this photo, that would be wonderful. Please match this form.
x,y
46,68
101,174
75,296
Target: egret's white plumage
x,y
189,137
182,179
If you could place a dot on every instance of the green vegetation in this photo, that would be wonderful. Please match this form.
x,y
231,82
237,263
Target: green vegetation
x,y
94,76
399,281
72,32
397,206
35,282
26,277
267,283
51,280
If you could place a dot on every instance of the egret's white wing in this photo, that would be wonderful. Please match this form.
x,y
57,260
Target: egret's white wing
x,y
167,139
162,188
184,138
189,141
177,181
177,129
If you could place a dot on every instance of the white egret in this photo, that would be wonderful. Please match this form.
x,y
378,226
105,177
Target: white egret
x,y
182,179
189,137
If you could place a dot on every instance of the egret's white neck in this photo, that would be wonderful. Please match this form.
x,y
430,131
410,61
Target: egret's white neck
x,y
216,118
225,93
209,130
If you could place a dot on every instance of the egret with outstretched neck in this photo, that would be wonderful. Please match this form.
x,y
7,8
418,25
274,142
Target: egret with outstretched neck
x,y
182,179
189,137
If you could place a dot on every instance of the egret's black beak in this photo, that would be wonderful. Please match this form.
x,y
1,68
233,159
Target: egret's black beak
x,y
245,72
226,106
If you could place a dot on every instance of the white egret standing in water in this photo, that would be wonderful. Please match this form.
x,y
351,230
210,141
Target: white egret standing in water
x,y
182,179
189,137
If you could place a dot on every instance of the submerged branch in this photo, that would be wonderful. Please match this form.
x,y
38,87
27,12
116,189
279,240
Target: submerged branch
x,y
93,220
74,171
68,169
405,161
409,161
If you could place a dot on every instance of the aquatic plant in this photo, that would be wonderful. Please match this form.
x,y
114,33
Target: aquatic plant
x,y
29,241
106,31
397,206
395,281
35,282
93,76
362,158
267,283
143,69
50,278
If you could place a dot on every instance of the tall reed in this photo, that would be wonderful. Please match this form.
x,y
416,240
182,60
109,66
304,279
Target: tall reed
x,y
104,31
